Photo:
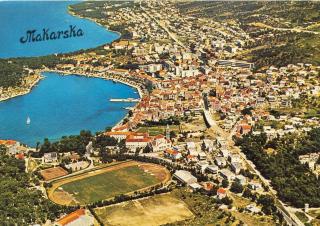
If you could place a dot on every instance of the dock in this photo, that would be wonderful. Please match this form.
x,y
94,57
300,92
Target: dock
x,y
125,100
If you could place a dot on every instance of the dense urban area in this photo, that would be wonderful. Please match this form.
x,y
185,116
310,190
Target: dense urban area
x,y
225,132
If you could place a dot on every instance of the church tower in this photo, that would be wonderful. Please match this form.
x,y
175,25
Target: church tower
x,y
167,132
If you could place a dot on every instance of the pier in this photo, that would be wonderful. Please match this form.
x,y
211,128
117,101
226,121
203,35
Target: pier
x,y
125,100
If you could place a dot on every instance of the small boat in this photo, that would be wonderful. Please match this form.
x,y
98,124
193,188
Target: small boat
x,y
28,121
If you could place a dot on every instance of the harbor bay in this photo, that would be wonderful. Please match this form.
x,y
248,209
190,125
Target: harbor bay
x,y
64,105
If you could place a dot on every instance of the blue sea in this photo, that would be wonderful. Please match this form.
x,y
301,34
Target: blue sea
x,y
58,105
63,105
16,18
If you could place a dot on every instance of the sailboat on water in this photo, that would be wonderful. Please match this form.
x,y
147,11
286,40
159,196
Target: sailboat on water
x,y
28,121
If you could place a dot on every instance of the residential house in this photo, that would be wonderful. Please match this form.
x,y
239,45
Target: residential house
x,y
236,167
50,157
221,193
220,161
172,154
227,174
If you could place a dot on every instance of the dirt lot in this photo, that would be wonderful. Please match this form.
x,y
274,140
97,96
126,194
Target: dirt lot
x,y
196,124
152,211
51,173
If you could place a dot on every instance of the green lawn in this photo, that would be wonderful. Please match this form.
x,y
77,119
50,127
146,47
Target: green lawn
x,y
156,130
302,217
109,184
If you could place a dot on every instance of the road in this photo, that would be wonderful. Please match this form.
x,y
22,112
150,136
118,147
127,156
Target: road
x,y
296,29
292,219
171,35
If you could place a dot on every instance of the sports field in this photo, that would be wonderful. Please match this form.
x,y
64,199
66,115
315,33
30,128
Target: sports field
x,y
107,182
54,172
152,211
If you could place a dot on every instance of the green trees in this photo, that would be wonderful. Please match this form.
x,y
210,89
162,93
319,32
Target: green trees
x,y
21,204
12,71
236,187
267,203
75,143
294,182
225,183
102,141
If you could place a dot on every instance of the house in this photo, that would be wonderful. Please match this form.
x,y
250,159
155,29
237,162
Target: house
x,y
208,145
191,146
50,157
227,174
160,143
191,159
253,208
220,161
118,135
136,140
221,143
12,145
195,186
236,167
255,185
172,154
184,177
241,179
80,217
208,187
19,156
234,158
202,156
202,165
212,169
221,193
120,44
244,128
224,152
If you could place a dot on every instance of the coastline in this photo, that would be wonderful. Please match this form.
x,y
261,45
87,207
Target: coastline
x,y
90,75
95,21
25,90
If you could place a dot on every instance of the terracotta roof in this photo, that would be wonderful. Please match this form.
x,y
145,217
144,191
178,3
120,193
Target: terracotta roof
x,y
20,156
221,191
248,127
138,140
172,152
8,142
71,217
118,133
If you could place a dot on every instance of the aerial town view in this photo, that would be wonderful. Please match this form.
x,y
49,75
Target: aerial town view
x,y
171,112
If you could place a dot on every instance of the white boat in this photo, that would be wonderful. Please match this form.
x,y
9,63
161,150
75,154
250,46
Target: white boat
x,y
28,120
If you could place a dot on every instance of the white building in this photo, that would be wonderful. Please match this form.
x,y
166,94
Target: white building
x,y
227,174
160,143
80,217
137,141
184,177
236,167
220,161
212,169
50,157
